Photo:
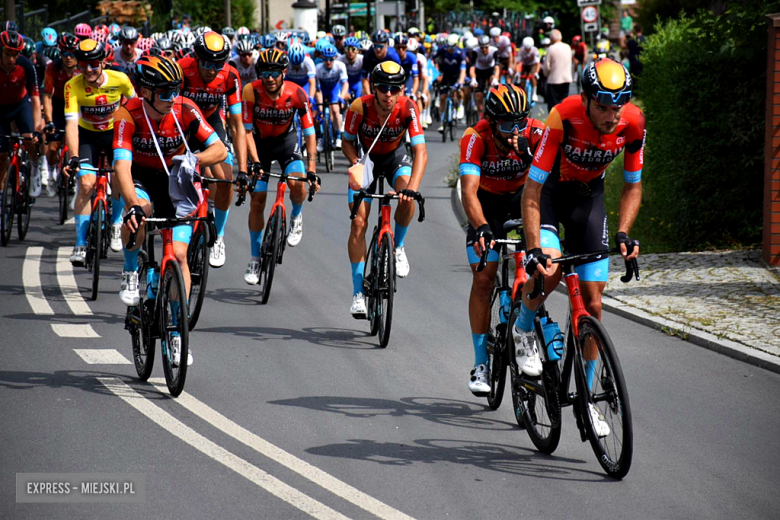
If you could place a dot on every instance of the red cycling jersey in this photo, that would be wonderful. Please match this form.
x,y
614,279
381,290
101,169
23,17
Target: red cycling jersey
x,y
18,83
274,117
580,50
498,173
208,97
133,140
362,121
55,79
585,152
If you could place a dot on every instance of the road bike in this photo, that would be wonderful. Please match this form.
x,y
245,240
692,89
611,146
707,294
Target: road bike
x,y
97,233
448,113
16,199
162,310
505,291
328,136
472,112
379,285
585,350
66,184
275,237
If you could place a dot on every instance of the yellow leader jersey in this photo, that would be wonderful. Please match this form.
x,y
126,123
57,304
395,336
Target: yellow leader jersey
x,y
95,107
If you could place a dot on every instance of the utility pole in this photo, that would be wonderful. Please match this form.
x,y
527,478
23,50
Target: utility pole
x,y
228,17
10,10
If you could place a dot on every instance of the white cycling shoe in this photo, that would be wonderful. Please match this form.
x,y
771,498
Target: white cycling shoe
x,y
296,231
128,288
401,263
252,274
358,308
115,242
217,256
176,352
600,426
528,359
478,382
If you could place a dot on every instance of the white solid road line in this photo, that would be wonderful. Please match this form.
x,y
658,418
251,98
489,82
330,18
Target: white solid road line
x,y
273,452
252,473
74,330
31,279
68,284
102,356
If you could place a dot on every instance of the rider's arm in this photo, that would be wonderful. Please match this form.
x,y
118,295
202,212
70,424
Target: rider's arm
x,y
124,128
32,89
462,77
631,198
471,149
532,195
233,97
417,137
72,117
344,81
246,119
48,111
352,121
307,130
545,157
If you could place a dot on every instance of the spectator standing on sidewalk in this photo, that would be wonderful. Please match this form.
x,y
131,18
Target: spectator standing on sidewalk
x,y
626,24
557,69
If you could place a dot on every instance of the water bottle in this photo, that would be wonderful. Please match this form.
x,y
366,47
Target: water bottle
x,y
506,306
553,339
152,281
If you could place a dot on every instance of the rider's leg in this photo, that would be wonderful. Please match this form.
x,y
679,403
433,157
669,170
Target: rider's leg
x,y
356,244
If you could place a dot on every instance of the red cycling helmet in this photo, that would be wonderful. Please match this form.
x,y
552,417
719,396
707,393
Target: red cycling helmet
x,y
11,40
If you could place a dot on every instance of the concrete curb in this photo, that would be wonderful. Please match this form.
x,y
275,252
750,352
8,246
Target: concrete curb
x,y
709,341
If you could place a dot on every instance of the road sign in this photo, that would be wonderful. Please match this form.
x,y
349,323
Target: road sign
x,y
590,27
583,3
590,14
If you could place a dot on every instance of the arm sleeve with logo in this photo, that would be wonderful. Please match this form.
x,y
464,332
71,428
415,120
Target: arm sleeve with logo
x,y
547,150
413,125
124,128
353,119
471,149
248,105
233,92
301,103
635,146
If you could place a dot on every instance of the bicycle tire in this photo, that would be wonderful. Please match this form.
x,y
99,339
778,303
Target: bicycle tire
x,y
452,130
198,261
369,287
269,251
615,451
95,245
25,203
9,206
386,288
327,145
173,318
496,352
140,333
282,236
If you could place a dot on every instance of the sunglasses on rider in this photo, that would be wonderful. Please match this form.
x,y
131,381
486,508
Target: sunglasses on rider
x,y
379,46
392,89
90,64
611,99
275,74
168,94
68,54
246,54
211,65
350,49
281,45
510,126
400,47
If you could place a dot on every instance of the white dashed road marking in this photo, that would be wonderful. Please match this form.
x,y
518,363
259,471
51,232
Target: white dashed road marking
x,y
97,356
67,330
68,286
31,279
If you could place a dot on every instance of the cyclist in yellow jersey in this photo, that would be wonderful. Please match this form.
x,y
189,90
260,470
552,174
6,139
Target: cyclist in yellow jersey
x,y
91,99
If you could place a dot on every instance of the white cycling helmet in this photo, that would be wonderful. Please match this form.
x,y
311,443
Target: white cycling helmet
x,y
528,42
242,30
412,45
495,32
453,40
472,43
550,20
545,42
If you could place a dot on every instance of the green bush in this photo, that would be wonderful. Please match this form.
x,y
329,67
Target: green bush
x,y
703,89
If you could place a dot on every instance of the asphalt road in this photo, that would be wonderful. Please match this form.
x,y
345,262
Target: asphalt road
x,y
291,410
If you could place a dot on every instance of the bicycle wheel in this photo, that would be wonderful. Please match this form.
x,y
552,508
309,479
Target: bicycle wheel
x,y
94,245
269,253
24,207
173,322
327,145
139,322
386,288
9,206
198,260
445,120
607,392
369,285
496,347
282,236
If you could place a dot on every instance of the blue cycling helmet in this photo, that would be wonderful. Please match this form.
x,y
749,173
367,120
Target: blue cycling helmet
x,y
321,44
478,32
49,37
329,52
269,41
305,38
352,42
297,54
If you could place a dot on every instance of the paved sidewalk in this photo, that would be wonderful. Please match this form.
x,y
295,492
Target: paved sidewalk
x,y
727,301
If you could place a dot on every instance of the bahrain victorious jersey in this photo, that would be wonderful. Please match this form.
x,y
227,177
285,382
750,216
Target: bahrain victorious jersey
x,y
208,96
55,78
362,122
133,139
274,117
572,149
498,172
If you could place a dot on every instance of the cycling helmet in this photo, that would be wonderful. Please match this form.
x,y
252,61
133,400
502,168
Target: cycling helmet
x,y
67,42
441,40
269,41
297,54
388,73
380,37
528,42
89,49
127,33
339,31
577,39
272,59
351,41
100,28
321,34
321,44
188,39
29,47
12,40
10,26
401,39
484,40
365,44
329,52
144,44
175,36
154,72
452,40
164,44
495,32
100,36
506,102
413,45
244,47
182,52
109,54
49,37
478,32
114,29
83,30
305,38
550,20
229,32
545,42
472,43
154,51
242,31
201,30
413,31
212,46
53,53
608,82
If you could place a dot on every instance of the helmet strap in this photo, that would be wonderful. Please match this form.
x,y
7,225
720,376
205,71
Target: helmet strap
x,y
151,102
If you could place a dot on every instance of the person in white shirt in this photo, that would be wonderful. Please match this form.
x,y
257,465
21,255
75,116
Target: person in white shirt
x,y
557,68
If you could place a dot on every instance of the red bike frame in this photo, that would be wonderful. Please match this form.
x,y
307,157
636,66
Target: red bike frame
x,y
101,187
520,275
575,301
280,189
385,228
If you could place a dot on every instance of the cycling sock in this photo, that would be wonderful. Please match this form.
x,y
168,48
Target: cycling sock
x,y
220,219
525,322
296,209
82,227
175,312
338,135
255,241
590,371
116,211
480,348
400,234
357,277
131,260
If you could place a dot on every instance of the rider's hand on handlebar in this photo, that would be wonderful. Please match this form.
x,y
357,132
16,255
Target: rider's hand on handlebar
x,y
49,128
484,239
407,195
537,261
134,218
629,247
72,166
